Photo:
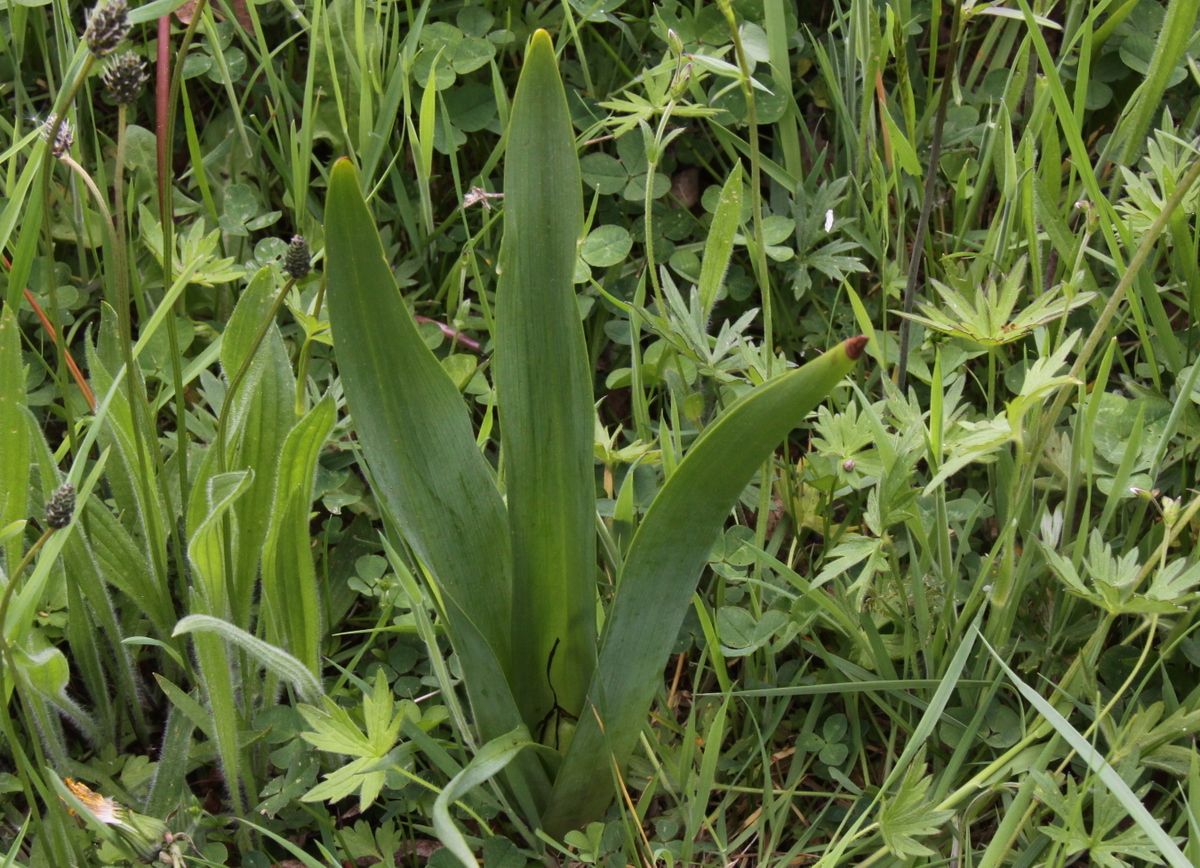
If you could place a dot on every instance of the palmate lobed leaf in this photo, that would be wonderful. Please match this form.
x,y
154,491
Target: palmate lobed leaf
x,y
910,815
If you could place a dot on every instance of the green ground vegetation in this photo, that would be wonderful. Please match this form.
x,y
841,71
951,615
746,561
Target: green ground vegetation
x,y
436,433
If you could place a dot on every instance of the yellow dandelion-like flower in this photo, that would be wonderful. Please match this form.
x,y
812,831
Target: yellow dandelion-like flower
x,y
104,809
144,834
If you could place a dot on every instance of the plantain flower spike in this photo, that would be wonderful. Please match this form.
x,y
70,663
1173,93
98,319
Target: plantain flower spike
x,y
125,78
297,262
64,136
61,506
108,25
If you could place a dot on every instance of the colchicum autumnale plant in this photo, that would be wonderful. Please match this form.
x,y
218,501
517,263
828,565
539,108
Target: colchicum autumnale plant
x,y
515,572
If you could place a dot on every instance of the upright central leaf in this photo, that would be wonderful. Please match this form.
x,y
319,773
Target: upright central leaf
x,y
545,397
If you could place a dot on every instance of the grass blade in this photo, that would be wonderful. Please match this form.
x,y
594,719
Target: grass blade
x,y
1097,763
14,434
491,759
718,247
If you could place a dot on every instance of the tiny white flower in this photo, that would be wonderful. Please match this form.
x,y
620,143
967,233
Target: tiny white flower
x,y
828,219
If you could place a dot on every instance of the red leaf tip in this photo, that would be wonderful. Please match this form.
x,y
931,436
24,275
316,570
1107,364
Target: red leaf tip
x,y
855,347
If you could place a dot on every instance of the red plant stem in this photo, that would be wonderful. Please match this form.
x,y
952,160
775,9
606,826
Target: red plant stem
x,y
162,101
453,334
75,372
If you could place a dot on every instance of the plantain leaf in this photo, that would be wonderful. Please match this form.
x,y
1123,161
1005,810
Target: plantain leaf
x,y
263,415
276,660
544,385
14,435
660,574
125,568
289,582
209,538
142,507
213,530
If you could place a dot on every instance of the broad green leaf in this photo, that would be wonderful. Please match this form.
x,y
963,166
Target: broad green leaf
x,y
420,449
718,247
412,422
14,435
289,581
544,385
660,573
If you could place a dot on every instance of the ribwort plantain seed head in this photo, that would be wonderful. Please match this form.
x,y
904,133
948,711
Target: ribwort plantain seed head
x,y
61,506
297,262
125,78
108,25
64,136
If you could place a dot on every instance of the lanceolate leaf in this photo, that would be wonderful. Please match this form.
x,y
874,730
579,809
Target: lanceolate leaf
x,y
412,422
719,246
543,380
263,416
14,435
428,472
660,574
289,583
